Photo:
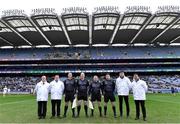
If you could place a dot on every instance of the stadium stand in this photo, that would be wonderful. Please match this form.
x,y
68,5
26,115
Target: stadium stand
x,y
90,53
162,84
156,84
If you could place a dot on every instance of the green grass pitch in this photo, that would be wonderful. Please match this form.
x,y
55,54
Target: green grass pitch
x,y
161,108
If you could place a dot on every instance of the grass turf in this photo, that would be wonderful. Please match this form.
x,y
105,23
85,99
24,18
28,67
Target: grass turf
x,y
161,108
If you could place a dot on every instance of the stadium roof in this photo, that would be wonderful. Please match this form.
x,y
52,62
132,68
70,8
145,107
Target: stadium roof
x,y
104,26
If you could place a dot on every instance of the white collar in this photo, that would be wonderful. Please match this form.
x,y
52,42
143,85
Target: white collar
x,y
42,82
122,78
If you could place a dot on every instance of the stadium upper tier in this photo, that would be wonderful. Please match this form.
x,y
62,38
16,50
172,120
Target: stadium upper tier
x,y
90,53
105,25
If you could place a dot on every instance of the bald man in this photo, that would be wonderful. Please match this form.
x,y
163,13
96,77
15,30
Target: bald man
x,y
82,93
57,90
108,92
95,91
69,91
42,91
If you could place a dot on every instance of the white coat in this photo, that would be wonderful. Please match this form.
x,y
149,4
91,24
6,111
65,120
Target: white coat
x,y
42,91
123,85
56,89
139,89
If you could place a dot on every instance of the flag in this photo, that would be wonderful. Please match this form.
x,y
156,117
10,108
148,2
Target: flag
x,y
74,105
90,105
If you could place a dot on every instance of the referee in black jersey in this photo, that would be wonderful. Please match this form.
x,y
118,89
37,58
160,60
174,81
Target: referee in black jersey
x,y
69,91
108,91
95,91
82,87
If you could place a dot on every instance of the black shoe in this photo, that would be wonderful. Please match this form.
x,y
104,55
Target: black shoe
x,y
39,117
136,118
144,119
52,117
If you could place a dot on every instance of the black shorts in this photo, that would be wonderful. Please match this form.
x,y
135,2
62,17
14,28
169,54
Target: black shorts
x,y
82,97
110,97
96,97
69,97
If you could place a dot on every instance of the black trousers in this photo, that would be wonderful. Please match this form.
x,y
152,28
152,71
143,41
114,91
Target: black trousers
x,y
126,99
42,108
56,107
142,103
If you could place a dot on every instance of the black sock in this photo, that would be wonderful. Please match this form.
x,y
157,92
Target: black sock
x,y
73,112
105,109
86,109
65,110
78,109
92,112
100,111
114,110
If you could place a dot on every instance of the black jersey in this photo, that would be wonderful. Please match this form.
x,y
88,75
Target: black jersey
x,y
69,86
108,86
95,88
82,86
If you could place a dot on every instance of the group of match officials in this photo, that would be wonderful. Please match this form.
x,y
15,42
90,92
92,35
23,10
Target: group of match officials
x,y
83,90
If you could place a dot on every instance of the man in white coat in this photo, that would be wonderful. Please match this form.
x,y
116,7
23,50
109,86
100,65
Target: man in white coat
x,y
139,88
42,91
56,90
123,85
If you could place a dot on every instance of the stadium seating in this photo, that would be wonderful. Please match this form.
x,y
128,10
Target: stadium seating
x,y
89,53
156,83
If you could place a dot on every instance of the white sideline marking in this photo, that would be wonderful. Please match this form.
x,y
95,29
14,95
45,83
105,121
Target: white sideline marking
x,y
15,102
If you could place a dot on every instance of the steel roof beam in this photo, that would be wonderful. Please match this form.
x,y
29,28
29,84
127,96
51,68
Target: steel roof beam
x,y
6,41
16,32
142,28
167,28
116,29
37,28
90,29
65,31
